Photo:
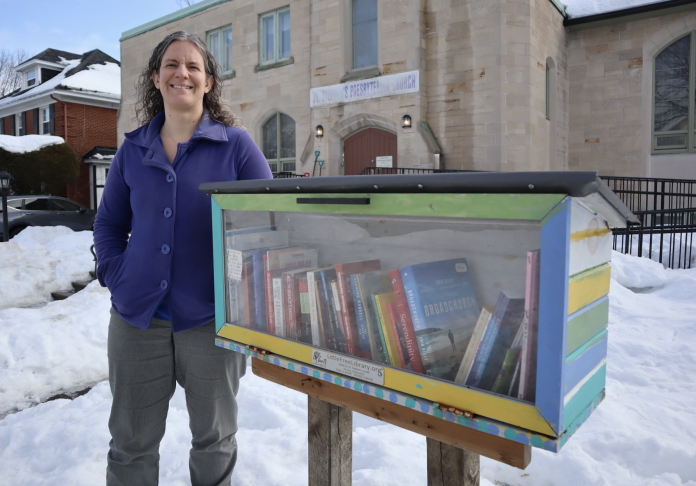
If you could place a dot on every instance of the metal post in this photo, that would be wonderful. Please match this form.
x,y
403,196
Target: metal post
x,y
5,223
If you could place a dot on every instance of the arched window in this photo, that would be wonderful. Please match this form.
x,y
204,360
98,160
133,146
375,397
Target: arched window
x,y
673,109
279,142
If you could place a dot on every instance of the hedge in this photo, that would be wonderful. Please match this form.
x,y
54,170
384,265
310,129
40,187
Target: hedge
x,y
45,171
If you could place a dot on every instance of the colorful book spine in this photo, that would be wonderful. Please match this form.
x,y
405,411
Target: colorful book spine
x,y
313,310
325,322
406,323
270,308
503,381
247,295
395,322
363,337
258,277
474,345
371,283
380,319
339,317
305,323
527,386
326,276
291,301
278,320
487,341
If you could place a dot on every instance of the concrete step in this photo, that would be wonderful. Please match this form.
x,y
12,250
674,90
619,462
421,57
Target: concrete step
x,y
81,285
62,294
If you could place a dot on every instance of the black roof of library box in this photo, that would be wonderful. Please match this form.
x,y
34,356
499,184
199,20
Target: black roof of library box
x,y
573,183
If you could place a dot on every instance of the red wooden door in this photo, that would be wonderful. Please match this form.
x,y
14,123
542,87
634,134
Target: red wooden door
x,y
361,150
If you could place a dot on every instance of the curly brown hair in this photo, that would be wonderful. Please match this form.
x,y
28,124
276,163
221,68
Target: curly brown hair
x,y
150,101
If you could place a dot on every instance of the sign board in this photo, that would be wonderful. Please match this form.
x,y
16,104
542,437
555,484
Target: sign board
x,y
392,84
385,161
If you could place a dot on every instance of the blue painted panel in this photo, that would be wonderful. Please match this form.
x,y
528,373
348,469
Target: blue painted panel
x,y
219,267
583,361
553,314
584,397
580,419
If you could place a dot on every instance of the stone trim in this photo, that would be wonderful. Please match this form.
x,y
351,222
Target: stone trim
x,y
346,127
265,67
363,73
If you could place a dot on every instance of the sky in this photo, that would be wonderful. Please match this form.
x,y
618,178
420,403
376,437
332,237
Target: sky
x,y
75,25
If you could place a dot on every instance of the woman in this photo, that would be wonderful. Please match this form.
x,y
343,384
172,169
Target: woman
x,y
161,279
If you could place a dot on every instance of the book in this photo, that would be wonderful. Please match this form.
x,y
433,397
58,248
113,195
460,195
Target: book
x,y
291,302
527,371
305,325
363,338
278,317
369,284
500,332
259,286
444,311
382,302
503,381
327,276
247,295
474,344
406,324
317,332
398,335
327,331
347,317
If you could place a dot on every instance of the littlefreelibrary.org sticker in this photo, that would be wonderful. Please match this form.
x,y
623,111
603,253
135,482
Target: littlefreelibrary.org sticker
x,y
358,369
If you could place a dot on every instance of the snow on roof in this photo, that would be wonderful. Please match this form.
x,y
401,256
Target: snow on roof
x,y
102,157
28,143
102,79
585,8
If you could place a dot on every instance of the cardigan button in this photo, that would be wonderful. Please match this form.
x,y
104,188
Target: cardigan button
x,y
164,285
170,178
167,212
165,249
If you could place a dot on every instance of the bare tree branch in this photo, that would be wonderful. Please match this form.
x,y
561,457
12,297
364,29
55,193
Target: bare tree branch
x,y
9,79
185,3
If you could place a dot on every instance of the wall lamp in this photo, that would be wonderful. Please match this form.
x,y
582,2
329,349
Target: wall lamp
x,y
406,121
320,131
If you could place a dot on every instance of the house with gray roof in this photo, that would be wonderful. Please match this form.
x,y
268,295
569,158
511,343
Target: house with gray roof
x,y
74,96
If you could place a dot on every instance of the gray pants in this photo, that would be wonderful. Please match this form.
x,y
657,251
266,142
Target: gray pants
x,y
144,367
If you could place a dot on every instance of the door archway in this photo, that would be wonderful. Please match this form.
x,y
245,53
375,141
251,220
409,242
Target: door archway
x,y
362,148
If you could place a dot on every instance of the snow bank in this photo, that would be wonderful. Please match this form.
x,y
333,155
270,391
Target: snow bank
x,y
41,260
584,8
28,143
644,433
61,346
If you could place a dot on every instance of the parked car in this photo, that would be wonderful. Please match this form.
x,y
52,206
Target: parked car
x,y
23,211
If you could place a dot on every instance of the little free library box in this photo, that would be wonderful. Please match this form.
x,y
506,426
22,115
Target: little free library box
x,y
479,299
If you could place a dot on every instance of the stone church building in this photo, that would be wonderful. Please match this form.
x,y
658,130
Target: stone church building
x,y
334,86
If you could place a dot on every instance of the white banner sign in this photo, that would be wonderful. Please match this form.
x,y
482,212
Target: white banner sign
x,y
384,161
392,84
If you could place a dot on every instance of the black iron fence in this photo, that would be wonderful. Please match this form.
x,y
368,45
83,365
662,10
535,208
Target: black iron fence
x,y
666,209
287,175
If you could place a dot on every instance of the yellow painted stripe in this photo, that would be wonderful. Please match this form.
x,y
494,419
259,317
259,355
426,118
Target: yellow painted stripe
x,y
588,286
480,403
589,233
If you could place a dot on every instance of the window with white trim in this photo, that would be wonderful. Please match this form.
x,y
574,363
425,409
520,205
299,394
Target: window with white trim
x,y
274,36
364,33
220,45
19,128
674,123
31,78
44,120
278,134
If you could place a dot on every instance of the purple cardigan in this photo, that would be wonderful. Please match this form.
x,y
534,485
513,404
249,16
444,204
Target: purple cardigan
x,y
170,251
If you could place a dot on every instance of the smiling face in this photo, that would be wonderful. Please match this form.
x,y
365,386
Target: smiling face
x,y
182,79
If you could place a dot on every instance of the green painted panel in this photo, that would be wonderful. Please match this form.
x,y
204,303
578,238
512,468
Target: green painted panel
x,y
585,324
476,206
219,266
585,346
584,396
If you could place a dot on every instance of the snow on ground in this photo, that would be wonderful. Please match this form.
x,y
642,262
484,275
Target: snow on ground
x,y
28,143
58,347
644,433
682,245
583,8
41,260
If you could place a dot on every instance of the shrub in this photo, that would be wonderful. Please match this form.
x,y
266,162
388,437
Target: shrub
x,y
45,171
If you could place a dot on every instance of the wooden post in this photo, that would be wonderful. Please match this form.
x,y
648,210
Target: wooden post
x,y
330,443
451,466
